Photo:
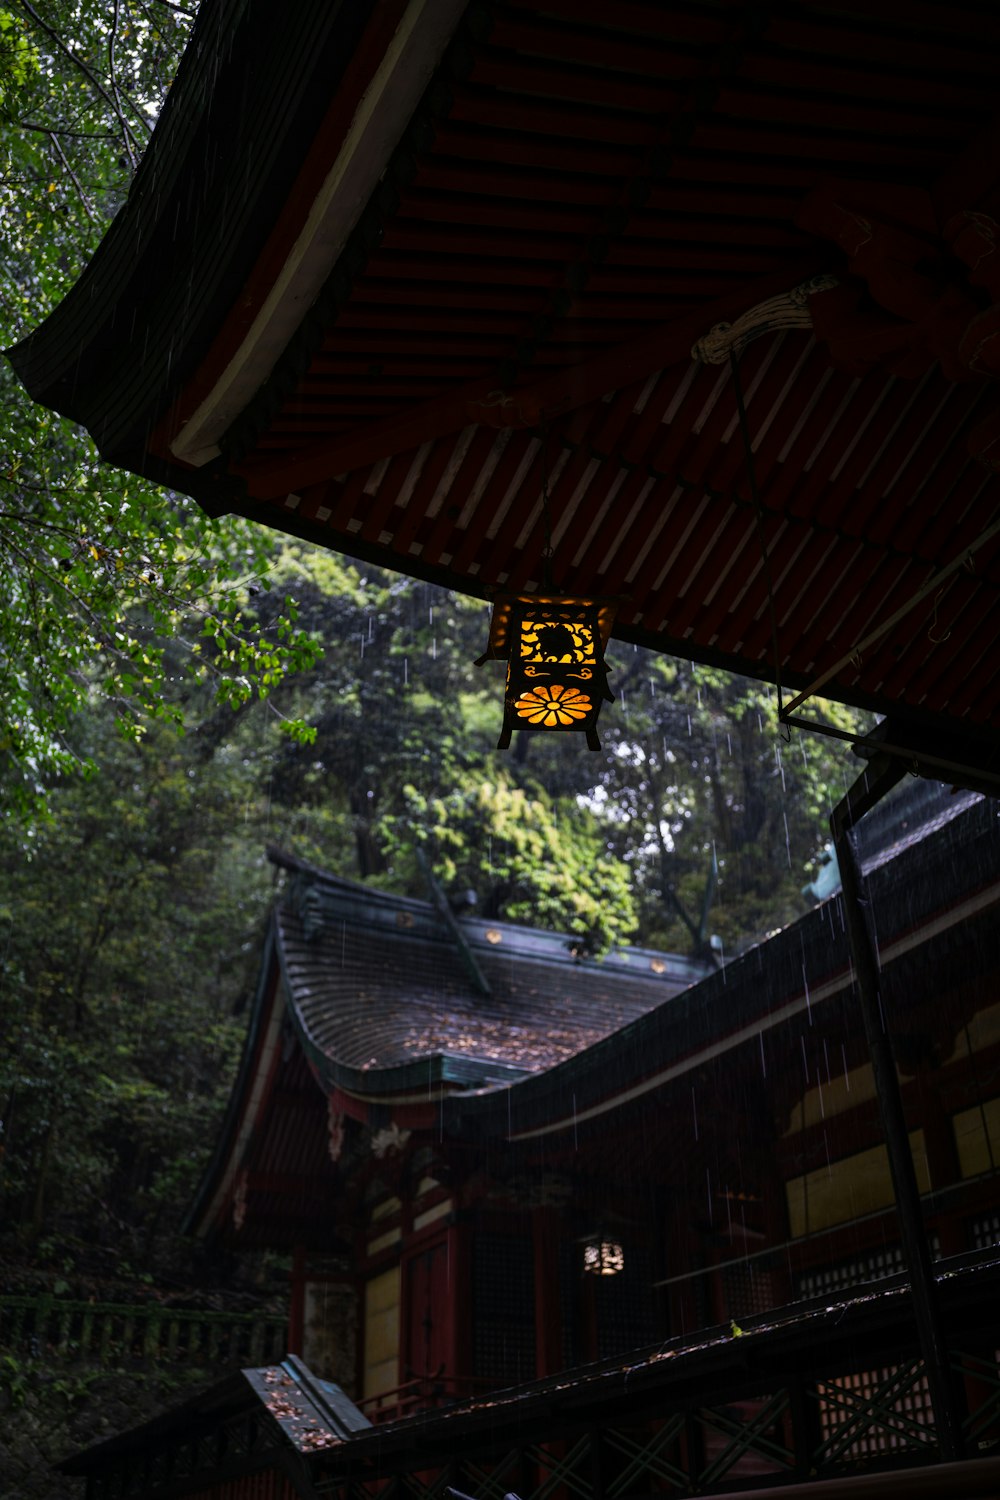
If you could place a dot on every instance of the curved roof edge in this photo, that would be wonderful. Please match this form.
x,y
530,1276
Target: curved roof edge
x,y
950,877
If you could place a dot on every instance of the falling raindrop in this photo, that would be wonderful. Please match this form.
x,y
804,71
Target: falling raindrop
x,y
406,673
694,1113
788,842
847,1076
805,986
763,1059
689,725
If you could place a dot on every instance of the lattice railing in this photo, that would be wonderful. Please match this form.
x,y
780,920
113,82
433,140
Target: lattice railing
x,y
109,1332
816,1427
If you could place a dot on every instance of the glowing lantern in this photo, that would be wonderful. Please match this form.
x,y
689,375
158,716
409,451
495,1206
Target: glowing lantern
x,y
603,1256
556,675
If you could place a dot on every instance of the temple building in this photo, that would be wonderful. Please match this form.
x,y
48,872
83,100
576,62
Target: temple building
x,y
692,309
519,1183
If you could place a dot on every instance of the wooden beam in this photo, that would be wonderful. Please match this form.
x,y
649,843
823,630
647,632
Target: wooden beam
x,y
483,401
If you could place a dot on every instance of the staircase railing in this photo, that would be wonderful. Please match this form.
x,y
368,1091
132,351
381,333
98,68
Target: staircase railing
x,y
110,1333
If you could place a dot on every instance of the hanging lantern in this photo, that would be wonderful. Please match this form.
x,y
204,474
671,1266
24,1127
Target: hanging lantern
x,y
556,675
603,1256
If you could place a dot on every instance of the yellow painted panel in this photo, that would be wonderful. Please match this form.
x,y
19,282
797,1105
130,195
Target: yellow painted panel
x,y
381,1370
848,1188
431,1215
385,1208
843,1091
983,1032
383,1241
977,1135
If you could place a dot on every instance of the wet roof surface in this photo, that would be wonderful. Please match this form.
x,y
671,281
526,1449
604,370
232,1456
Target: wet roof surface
x,y
378,981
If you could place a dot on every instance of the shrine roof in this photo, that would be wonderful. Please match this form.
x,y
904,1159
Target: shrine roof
x,y
390,274
385,999
935,900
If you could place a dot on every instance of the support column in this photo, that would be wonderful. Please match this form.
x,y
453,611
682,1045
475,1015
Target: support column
x,y
297,1302
883,774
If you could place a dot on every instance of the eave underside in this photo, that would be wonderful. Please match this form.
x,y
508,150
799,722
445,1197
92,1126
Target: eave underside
x,y
580,195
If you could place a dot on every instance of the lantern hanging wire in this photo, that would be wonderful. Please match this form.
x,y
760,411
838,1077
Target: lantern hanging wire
x,y
741,412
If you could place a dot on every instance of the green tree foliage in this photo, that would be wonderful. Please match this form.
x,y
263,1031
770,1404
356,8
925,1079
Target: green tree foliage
x,y
720,818
405,729
133,931
98,569
694,790
126,942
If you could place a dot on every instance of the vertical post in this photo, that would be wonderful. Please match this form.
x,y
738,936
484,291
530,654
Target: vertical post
x,y
297,1305
882,774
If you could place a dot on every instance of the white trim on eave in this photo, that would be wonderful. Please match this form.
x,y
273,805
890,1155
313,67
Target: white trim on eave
x,y
383,113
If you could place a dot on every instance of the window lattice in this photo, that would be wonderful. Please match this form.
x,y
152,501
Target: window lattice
x,y
625,1318
888,1261
749,1288
873,1267
985,1231
504,1300
889,1429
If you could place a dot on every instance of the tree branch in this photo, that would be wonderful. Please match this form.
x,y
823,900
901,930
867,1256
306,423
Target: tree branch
x,y
112,34
73,178
178,9
82,67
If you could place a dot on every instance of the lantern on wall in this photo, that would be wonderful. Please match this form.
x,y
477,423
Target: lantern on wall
x,y
556,675
602,1255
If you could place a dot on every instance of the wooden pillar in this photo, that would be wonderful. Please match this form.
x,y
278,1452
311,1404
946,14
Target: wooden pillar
x,y
868,990
297,1303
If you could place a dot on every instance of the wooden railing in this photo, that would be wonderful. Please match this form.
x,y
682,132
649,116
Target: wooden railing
x,y
421,1393
109,1333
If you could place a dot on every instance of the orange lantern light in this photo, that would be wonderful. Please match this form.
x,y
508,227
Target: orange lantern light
x,y
556,674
